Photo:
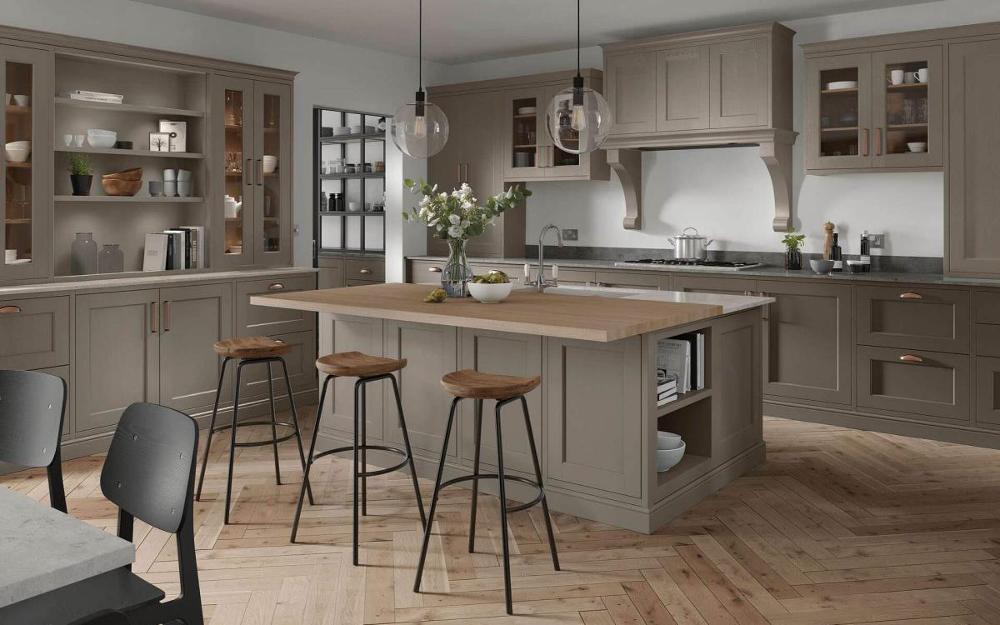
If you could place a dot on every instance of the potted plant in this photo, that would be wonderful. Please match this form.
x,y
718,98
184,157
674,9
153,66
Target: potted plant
x,y
793,250
81,174
456,217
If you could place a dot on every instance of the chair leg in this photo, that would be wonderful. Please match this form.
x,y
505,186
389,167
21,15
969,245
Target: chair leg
x,y
57,490
357,405
538,478
409,452
505,541
298,435
309,461
232,442
434,497
475,471
274,425
363,421
211,429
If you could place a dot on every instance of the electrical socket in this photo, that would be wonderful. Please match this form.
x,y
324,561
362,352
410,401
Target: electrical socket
x,y
570,234
876,241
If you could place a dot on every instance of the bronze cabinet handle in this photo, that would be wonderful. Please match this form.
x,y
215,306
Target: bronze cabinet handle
x,y
911,358
866,144
9,310
260,172
434,269
465,178
275,286
910,295
166,316
458,172
248,172
878,142
154,318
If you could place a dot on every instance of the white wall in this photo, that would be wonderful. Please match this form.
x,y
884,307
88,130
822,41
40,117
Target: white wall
x,y
725,193
330,74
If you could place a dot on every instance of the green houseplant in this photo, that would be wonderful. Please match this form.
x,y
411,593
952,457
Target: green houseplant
x,y
793,250
81,174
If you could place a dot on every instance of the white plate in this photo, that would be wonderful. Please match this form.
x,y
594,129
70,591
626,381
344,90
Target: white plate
x,y
341,130
527,110
19,261
842,84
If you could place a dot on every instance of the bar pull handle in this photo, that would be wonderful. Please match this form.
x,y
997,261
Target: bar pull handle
x,y
154,318
260,172
458,172
465,178
166,316
878,142
911,358
365,271
434,269
910,295
866,143
275,286
248,172
9,310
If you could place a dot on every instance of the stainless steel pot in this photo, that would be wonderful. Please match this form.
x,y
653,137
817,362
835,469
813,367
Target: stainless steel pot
x,y
690,246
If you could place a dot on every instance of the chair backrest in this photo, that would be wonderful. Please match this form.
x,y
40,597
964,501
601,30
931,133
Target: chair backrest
x,y
31,417
149,471
107,617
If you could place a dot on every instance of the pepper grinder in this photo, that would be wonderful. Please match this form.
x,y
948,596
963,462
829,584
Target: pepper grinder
x,y
828,243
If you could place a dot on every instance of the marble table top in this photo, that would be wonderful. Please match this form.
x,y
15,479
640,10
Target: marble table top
x,y
43,549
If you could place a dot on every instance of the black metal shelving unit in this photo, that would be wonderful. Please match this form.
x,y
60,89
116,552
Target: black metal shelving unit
x,y
326,184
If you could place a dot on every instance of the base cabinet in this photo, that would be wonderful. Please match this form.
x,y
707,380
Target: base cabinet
x,y
930,384
987,407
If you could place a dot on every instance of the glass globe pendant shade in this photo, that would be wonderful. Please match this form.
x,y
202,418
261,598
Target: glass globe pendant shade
x,y
578,119
420,129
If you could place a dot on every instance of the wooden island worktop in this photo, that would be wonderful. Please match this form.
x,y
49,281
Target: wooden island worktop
x,y
595,416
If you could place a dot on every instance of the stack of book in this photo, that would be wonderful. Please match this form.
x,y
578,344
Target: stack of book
x,y
681,360
178,248
96,96
666,388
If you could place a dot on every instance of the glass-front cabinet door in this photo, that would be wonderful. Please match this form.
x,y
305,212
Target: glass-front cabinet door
x,y
26,202
233,189
559,162
525,137
272,174
907,107
838,112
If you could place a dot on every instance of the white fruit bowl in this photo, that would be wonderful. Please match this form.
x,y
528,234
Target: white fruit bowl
x,y
98,138
666,459
18,151
668,440
490,293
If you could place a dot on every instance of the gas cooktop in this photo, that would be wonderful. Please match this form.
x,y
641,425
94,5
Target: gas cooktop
x,y
690,265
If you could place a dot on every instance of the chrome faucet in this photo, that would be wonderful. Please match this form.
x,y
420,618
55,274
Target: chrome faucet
x,y
540,283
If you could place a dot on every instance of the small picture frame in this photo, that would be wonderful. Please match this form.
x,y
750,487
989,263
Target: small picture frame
x,y
178,134
159,142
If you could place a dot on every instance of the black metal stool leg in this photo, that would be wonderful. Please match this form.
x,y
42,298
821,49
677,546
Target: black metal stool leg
x,y
211,429
409,452
357,393
503,514
309,461
475,471
538,477
363,420
434,497
232,441
274,425
298,434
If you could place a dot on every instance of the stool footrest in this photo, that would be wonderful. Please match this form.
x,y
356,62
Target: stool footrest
x,y
376,472
494,476
241,424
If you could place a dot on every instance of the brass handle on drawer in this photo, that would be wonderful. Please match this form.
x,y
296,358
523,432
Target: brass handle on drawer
x,y
910,295
866,144
166,316
434,269
910,358
365,272
275,286
154,318
9,310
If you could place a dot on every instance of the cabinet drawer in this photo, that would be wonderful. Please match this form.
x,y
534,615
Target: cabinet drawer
x,y
914,317
988,307
263,321
34,333
987,340
916,382
425,272
645,280
369,270
711,284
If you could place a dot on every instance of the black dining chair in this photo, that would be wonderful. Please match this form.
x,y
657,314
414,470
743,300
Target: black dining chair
x,y
108,617
149,475
32,408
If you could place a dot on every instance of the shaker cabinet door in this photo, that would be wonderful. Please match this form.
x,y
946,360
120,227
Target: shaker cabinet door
x,y
630,87
838,125
272,188
682,89
907,110
932,385
232,188
739,84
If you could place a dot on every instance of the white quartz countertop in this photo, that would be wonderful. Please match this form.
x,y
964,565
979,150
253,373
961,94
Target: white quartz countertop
x,y
43,549
729,303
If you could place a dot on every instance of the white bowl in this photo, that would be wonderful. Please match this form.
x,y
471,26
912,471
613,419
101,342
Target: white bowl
x,y
821,266
490,293
668,440
917,146
842,84
18,151
527,110
270,163
101,138
22,100
667,458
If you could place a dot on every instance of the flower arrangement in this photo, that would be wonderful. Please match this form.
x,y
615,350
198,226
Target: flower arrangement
x,y
458,215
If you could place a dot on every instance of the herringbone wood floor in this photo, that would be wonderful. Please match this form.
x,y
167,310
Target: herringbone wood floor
x,y
839,526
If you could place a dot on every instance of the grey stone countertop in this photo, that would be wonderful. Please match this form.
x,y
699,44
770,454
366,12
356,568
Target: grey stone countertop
x,y
43,549
766,272
137,279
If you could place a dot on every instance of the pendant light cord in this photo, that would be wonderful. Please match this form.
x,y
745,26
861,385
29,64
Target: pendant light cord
x,y
420,44
577,37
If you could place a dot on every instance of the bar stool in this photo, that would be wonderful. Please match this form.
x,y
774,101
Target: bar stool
x,y
366,369
252,350
504,389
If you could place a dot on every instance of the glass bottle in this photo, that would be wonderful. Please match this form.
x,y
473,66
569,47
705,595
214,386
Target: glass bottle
x,y
111,259
83,254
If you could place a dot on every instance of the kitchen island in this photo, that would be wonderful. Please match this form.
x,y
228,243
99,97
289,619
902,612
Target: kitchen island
x,y
595,415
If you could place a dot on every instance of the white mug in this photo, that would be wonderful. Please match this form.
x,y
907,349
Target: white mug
x,y
896,76
10,255
909,78
922,74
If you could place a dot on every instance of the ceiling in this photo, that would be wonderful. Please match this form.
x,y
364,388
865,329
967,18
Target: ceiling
x,y
460,31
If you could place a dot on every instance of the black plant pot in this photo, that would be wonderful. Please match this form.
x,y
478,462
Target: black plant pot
x,y
793,260
81,184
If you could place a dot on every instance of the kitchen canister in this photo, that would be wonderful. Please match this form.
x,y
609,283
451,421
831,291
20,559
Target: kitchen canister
x,y
111,259
83,254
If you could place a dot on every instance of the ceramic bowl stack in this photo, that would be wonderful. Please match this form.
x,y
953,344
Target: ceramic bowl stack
x,y
669,450
98,138
18,151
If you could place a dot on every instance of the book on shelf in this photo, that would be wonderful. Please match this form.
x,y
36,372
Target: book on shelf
x,y
96,96
177,252
663,401
196,245
154,255
681,359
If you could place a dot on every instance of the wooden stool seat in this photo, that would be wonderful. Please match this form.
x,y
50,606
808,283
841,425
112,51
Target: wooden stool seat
x,y
477,385
251,347
357,365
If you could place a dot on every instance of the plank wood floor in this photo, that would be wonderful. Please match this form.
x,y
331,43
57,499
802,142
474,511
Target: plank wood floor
x,y
839,526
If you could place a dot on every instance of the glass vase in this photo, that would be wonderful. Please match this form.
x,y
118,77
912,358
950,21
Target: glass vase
x,y
83,254
456,274
111,259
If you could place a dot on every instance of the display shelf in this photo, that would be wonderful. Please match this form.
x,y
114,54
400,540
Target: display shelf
x,y
907,86
129,108
13,109
19,221
680,472
683,401
125,199
119,152
840,129
839,91
376,175
380,136
13,165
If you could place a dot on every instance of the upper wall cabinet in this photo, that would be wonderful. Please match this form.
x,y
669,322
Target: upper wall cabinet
x,y
875,109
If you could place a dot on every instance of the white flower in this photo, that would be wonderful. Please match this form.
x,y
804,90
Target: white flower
x,y
466,205
454,219
440,227
454,232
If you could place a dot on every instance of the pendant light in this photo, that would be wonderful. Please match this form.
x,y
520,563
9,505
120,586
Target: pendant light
x,y
420,129
578,118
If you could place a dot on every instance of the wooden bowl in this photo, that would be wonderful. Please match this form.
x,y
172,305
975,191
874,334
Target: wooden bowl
x,y
127,174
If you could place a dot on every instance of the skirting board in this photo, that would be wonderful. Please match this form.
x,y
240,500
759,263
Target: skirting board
x,y
848,418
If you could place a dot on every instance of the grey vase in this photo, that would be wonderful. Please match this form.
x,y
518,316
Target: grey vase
x,y
111,259
83,254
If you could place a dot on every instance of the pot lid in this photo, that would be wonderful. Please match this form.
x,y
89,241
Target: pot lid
x,y
684,234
